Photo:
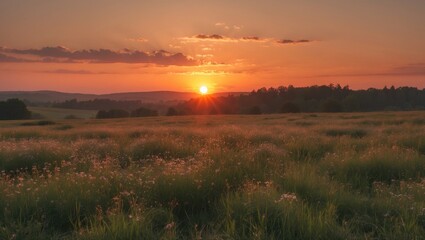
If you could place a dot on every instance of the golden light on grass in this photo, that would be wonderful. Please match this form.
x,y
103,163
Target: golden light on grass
x,y
203,90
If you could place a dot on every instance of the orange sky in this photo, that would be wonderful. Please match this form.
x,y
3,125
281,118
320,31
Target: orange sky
x,y
104,46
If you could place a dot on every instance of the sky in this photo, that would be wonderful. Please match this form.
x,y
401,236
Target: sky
x,y
105,46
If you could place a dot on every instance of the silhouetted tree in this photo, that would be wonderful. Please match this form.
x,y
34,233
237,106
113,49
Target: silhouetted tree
x,y
13,109
290,107
172,112
330,98
327,98
255,110
144,112
331,105
113,113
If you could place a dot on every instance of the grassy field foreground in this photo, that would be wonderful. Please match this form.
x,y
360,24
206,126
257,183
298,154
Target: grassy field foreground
x,y
295,176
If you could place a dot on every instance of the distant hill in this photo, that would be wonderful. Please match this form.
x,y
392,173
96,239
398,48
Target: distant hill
x,y
151,97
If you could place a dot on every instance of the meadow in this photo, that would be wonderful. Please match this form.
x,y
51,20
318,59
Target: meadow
x,y
281,176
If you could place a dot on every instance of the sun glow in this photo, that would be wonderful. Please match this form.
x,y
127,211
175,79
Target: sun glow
x,y
203,90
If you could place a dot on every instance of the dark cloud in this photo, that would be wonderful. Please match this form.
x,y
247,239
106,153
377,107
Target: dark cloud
x,y
213,36
62,54
57,52
221,38
68,71
410,69
251,38
5,58
289,41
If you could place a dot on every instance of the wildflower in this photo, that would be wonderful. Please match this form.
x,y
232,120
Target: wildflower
x,y
169,226
290,197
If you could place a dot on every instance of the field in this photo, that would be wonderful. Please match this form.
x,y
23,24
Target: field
x,y
60,113
292,176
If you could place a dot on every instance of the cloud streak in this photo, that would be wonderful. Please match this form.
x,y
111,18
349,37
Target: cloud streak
x,y
61,54
289,41
68,71
410,69
416,69
140,39
225,39
6,58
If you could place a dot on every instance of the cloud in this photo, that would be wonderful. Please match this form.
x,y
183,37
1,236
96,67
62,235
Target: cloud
x,y
410,69
5,58
236,27
138,39
207,38
252,38
68,71
289,41
61,54
227,27
223,25
213,36
225,39
221,38
416,69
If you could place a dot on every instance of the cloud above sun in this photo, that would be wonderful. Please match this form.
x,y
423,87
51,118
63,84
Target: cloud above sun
x,y
227,39
61,54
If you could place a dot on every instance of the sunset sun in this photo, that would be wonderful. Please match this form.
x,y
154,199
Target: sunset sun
x,y
203,90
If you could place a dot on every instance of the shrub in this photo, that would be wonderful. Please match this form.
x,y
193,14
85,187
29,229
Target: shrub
x,y
114,113
172,112
38,123
144,112
71,117
13,109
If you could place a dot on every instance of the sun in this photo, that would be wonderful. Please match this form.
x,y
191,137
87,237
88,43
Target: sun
x,y
203,90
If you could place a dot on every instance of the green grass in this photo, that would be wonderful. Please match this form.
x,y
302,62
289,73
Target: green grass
x,y
333,176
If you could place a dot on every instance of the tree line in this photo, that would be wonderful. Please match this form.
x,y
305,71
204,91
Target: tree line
x,y
98,104
120,113
283,99
290,99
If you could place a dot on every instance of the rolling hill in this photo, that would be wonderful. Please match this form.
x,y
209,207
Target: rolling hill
x,y
151,97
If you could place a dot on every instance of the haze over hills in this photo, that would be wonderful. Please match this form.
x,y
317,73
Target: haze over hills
x,y
148,97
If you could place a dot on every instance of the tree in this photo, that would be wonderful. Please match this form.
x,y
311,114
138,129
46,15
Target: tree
x,y
172,112
114,113
290,107
331,105
255,110
14,109
144,112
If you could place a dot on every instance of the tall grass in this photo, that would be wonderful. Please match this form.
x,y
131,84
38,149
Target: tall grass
x,y
215,177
